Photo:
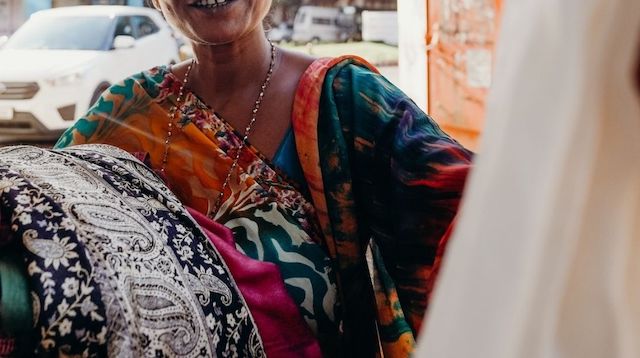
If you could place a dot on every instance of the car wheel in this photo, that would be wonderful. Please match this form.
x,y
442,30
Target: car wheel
x,y
98,92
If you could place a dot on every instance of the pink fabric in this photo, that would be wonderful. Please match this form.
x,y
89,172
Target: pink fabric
x,y
283,331
7,346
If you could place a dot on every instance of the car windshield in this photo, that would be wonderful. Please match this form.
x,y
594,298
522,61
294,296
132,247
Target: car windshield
x,y
62,33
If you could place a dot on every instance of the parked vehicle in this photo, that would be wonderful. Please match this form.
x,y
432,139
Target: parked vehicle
x,y
281,33
58,63
380,26
316,23
350,23
328,24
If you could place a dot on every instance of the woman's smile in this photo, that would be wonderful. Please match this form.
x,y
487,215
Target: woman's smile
x,y
211,4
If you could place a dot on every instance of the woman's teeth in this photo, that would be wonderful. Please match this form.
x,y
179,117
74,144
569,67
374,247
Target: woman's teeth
x,y
210,4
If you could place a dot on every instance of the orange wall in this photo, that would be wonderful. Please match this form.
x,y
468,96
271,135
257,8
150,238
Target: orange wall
x,y
460,58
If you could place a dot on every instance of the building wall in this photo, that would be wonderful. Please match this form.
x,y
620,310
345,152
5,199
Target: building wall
x,y
31,6
14,13
412,61
11,16
59,3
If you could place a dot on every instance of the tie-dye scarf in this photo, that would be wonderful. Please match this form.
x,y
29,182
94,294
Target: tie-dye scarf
x,y
386,183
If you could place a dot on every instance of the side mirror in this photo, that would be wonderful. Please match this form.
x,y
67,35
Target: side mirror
x,y
122,42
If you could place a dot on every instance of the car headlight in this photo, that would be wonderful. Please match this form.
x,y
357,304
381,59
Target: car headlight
x,y
65,80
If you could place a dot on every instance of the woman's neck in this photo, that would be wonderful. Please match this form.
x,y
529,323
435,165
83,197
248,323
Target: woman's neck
x,y
230,69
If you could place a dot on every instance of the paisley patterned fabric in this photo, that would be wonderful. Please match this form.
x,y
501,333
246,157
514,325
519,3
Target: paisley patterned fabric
x,y
116,264
386,183
269,217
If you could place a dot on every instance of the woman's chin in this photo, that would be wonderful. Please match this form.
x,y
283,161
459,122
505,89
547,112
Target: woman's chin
x,y
215,39
224,34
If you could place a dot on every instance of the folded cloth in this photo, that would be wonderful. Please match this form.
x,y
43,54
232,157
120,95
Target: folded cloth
x,y
115,263
7,346
16,317
283,330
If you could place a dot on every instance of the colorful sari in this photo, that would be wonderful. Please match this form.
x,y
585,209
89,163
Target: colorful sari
x,y
383,183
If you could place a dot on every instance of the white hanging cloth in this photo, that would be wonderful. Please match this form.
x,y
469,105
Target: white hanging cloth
x,y
545,261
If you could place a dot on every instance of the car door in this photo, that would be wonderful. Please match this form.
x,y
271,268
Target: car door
x,y
126,61
153,44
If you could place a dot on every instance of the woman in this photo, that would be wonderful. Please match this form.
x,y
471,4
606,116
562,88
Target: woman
x,y
333,165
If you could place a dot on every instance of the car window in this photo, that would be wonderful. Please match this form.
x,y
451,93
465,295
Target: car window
x,y
124,27
63,33
144,26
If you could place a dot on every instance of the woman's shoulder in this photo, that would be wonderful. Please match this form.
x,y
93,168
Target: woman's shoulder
x,y
349,68
297,60
310,70
295,65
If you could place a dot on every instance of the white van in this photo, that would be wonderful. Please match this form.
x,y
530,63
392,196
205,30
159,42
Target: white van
x,y
380,26
316,23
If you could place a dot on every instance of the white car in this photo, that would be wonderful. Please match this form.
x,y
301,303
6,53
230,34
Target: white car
x,y
58,63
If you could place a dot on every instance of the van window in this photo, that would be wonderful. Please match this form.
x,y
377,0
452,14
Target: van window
x,y
321,21
301,17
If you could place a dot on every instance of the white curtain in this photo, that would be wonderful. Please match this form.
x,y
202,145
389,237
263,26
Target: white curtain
x,y
545,261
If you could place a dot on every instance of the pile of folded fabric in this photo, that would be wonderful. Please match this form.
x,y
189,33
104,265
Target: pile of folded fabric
x,y
100,258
